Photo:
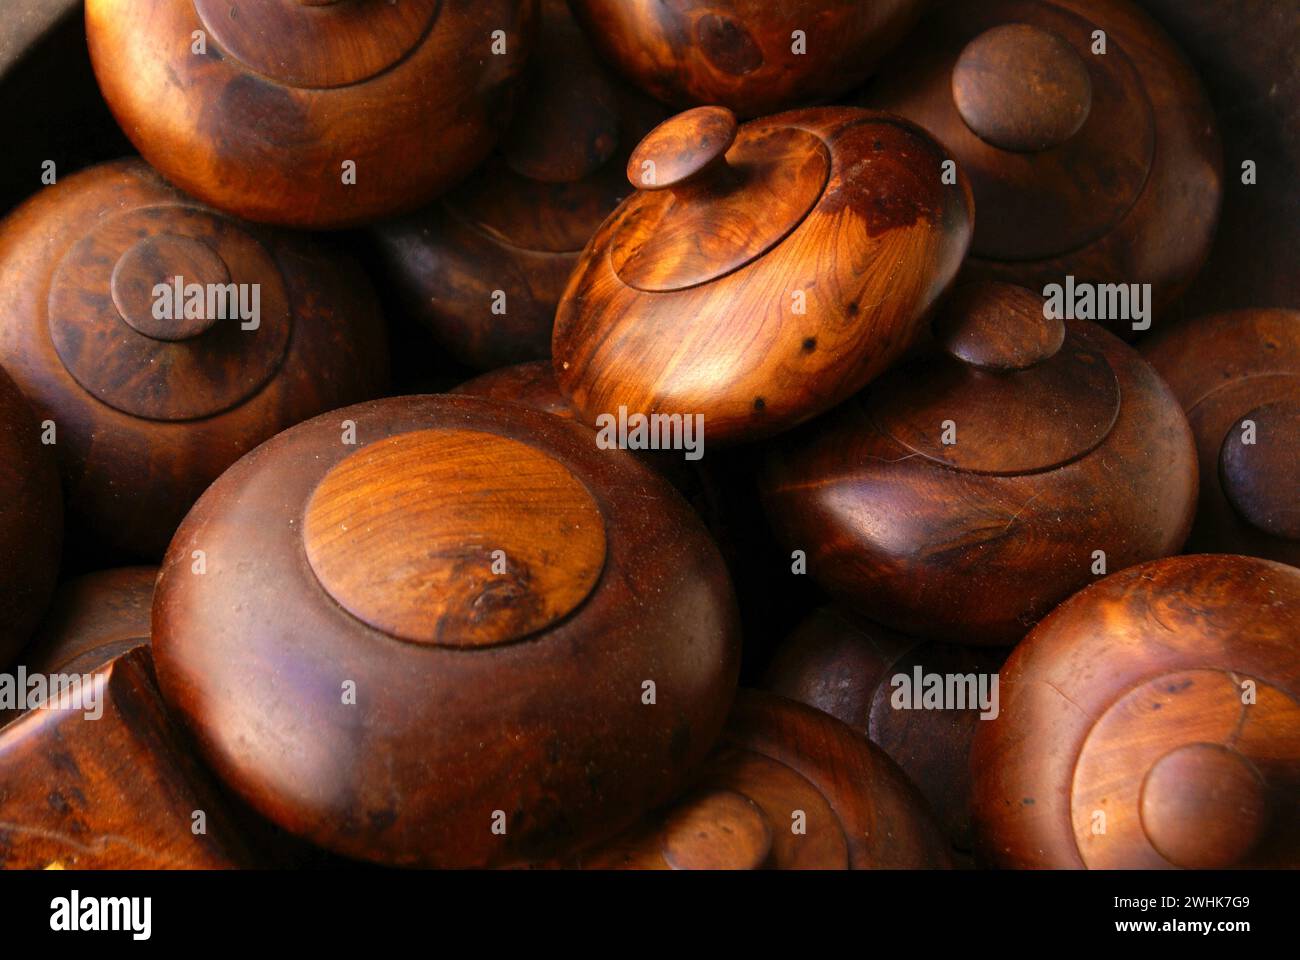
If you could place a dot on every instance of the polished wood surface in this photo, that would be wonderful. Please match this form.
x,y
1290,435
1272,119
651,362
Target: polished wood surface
x,y
1112,177
1227,369
745,54
484,267
1152,721
94,619
146,418
31,521
528,384
262,122
789,788
804,319
976,539
845,666
551,729
118,792
422,505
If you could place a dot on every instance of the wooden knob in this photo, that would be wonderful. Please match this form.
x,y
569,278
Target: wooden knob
x,y
1203,806
1261,477
999,326
164,259
683,149
718,830
1022,88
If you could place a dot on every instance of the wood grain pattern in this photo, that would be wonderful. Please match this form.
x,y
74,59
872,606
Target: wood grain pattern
x,y
975,547
517,226
780,764
145,424
118,792
1132,197
704,212
551,730
1225,369
845,666
404,533
794,331
742,54
1165,698
261,123
31,521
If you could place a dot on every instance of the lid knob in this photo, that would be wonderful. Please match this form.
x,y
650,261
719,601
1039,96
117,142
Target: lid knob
x,y
688,148
1022,88
166,259
999,326
1260,471
717,830
1203,806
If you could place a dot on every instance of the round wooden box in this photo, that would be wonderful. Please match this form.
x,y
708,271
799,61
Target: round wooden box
x,y
788,788
1151,722
31,521
760,274
444,631
966,494
920,701
94,619
265,330
1237,375
753,56
484,267
310,113
1103,166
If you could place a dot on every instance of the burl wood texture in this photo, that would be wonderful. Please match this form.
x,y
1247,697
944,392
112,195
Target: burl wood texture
x,y
518,225
145,422
550,728
743,54
1152,721
31,520
777,759
976,540
811,317
845,666
1226,369
262,123
1107,167
118,792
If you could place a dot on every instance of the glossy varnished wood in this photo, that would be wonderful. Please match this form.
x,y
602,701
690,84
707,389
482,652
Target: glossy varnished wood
x,y
975,539
528,384
422,505
691,300
147,417
1227,369
1152,721
484,267
116,792
445,729
94,619
846,667
31,520
745,54
262,122
1106,166
788,788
